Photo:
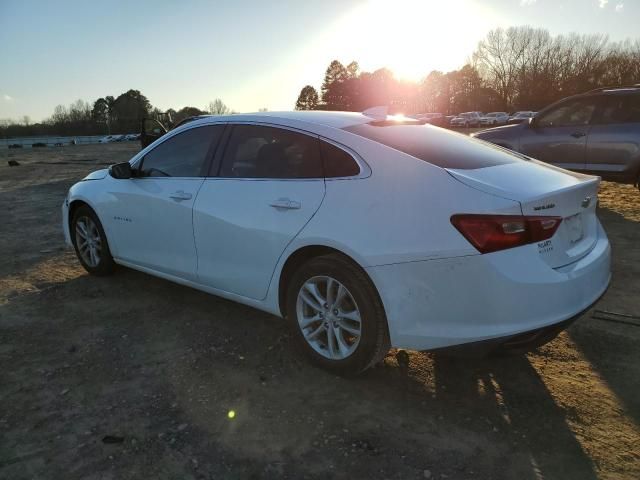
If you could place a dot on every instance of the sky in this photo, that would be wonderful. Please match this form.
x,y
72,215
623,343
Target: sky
x,y
252,54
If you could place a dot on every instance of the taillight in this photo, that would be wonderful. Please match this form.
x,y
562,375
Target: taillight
x,y
490,233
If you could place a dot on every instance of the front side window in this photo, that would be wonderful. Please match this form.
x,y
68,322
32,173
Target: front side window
x,y
183,155
256,151
620,109
569,114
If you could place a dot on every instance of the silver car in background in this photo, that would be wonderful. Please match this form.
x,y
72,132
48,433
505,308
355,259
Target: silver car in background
x,y
519,117
465,120
597,132
494,119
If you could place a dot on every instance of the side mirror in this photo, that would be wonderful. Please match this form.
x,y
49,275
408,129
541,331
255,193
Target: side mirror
x,y
532,122
121,170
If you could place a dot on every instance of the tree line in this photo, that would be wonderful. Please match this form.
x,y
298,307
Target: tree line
x,y
518,68
107,115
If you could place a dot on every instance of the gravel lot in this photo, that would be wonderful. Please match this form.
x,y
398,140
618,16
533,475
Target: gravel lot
x,y
134,377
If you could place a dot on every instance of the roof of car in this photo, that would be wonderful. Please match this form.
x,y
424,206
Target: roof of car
x,y
320,117
619,90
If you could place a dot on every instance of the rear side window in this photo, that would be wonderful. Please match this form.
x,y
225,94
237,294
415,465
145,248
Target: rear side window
x,y
337,162
620,109
183,155
256,151
435,146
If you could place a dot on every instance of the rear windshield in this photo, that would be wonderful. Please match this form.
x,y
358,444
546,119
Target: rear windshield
x,y
436,146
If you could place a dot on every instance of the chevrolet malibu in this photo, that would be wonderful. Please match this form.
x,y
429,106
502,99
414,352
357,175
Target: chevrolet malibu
x,y
364,231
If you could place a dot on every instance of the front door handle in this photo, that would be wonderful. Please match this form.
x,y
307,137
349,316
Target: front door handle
x,y
180,195
286,204
578,134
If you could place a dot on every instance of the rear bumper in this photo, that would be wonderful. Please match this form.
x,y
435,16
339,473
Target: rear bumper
x,y
519,343
495,297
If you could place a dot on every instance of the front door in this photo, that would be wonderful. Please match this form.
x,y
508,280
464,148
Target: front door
x,y
269,186
150,215
559,135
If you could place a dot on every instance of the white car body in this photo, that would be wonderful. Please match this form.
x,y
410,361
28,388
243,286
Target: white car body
x,y
393,219
467,119
494,118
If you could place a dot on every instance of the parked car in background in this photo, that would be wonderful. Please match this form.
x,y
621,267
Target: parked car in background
x,y
519,117
494,119
206,206
596,132
107,139
132,136
465,120
437,119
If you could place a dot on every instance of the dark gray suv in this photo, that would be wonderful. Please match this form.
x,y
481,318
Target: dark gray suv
x,y
596,132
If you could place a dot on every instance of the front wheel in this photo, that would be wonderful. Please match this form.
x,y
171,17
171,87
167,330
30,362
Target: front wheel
x,y
336,315
90,242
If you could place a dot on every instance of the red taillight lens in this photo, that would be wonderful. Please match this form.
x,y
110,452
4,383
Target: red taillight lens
x,y
490,233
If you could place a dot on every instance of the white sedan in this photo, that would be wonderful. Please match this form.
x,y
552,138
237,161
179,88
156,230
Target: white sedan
x,y
364,231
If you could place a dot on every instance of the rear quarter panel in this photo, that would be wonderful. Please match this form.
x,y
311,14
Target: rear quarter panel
x,y
400,213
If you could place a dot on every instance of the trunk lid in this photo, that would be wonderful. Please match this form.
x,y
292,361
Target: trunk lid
x,y
544,190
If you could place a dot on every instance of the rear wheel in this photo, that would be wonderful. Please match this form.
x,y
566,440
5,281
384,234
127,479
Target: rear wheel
x,y
90,242
336,316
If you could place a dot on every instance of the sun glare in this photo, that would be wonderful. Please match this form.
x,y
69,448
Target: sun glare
x,y
410,37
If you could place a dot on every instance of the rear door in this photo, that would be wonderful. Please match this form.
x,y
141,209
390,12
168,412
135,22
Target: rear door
x,y
150,215
559,135
613,145
270,184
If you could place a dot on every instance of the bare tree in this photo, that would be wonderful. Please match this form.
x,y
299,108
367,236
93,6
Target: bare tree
x,y
218,107
529,68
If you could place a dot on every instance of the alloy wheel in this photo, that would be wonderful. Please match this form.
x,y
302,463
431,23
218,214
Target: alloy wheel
x,y
88,241
328,317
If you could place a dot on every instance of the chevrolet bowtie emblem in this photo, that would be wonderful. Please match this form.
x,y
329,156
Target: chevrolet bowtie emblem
x,y
586,202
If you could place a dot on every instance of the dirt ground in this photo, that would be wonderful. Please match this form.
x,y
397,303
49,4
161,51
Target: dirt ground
x,y
134,377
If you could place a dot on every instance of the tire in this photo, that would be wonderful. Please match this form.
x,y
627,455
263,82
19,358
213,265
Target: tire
x,y
358,299
100,263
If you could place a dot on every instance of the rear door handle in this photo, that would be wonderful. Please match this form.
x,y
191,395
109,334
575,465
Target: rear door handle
x,y
578,134
286,204
180,195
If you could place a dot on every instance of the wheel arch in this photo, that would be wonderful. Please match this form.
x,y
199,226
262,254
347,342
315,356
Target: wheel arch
x,y
73,206
80,201
303,254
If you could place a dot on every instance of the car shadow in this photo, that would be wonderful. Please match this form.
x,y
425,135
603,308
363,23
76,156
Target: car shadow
x,y
610,345
145,338
502,402
518,407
